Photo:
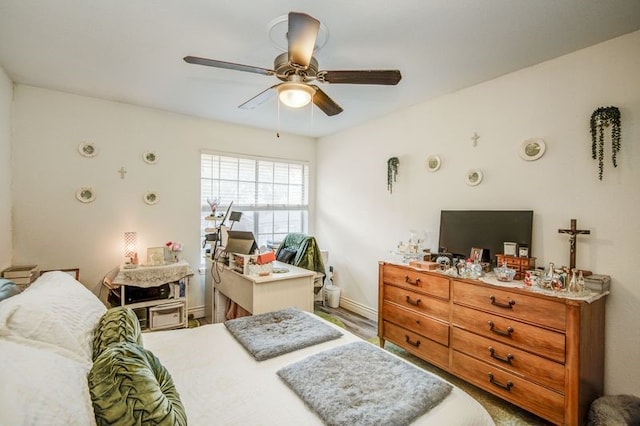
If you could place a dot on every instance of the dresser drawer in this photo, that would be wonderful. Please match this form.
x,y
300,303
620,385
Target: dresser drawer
x,y
416,344
540,370
422,282
537,310
417,302
547,343
537,399
426,326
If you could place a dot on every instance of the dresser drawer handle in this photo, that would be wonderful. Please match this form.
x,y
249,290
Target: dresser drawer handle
x,y
506,360
408,281
411,302
506,387
493,328
508,305
408,340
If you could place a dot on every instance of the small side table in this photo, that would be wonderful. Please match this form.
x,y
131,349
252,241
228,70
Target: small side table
x,y
156,311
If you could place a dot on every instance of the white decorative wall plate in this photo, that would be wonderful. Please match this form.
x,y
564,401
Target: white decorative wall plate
x,y
532,149
433,163
87,149
473,177
150,157
85,194
151,197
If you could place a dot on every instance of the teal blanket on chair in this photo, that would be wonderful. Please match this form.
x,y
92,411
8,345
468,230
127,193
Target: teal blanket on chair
x,y
307,255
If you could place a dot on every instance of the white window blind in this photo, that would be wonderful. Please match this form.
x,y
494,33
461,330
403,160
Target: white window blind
x,y
272,194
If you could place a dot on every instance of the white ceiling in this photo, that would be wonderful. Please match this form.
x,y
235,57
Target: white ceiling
x,y
131,50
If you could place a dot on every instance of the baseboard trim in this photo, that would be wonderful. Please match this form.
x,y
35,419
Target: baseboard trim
x,y
358,308
197,312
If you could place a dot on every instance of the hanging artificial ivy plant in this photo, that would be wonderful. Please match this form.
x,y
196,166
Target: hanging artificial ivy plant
x,y
601,118
392,172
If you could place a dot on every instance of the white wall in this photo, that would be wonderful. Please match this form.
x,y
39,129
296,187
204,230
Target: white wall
x,y
55,230
358,221
6,94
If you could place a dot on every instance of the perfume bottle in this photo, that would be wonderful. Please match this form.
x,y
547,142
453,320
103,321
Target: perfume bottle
x,y
573,286
580,281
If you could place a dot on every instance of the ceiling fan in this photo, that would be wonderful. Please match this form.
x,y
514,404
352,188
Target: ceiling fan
x,y
297,68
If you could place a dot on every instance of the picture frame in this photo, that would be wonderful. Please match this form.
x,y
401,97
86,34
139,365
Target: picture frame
x,y
510,248
86,194
476,254
151,197
473,177
523,251
155,256
150,157
87,149
532,149
433,163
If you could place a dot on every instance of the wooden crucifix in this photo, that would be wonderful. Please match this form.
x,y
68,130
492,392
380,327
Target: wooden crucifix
x,y
573,232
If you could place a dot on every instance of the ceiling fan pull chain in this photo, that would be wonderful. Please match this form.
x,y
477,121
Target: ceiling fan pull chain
x,y
278,122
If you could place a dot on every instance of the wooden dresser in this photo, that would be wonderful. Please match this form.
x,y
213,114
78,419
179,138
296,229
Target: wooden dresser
x,y
542,353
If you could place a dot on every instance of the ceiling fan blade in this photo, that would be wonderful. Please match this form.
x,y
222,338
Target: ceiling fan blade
x,y
227,65
325,103
302,34
260,98
383,77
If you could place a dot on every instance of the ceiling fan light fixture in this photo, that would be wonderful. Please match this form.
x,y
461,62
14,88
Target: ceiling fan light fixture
x,y
295,95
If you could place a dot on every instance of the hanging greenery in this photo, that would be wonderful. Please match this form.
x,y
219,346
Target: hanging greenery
x,y
392,172
601,118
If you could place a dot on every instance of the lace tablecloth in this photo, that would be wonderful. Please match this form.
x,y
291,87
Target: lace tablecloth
x,y
153,276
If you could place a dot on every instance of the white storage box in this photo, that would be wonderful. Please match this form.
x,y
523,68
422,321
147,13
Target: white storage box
x,y
168,315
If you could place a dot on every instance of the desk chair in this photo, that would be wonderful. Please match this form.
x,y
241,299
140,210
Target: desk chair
x,y
302,250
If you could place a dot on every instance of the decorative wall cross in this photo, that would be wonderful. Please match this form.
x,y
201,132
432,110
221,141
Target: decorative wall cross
x,y
122,172
573,232
475,138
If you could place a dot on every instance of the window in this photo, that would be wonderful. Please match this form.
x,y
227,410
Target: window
x,y
272,194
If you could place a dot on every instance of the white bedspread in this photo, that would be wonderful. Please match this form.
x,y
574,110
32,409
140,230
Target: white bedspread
x,y
220,383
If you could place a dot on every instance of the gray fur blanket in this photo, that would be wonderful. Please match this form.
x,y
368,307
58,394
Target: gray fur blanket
x,y
360,384
275,333
614,410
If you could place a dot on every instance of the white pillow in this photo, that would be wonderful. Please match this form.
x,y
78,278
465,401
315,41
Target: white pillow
x,y
55,309
40,386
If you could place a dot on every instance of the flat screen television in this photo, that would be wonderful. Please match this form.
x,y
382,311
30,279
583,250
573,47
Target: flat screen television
x,y
461,230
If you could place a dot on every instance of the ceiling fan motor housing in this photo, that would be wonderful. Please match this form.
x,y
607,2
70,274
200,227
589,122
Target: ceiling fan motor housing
x,y
284,69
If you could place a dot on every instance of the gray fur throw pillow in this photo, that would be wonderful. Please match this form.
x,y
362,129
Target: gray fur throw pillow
x,y
614,410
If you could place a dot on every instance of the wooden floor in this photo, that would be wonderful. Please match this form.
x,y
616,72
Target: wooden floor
x,y
355,323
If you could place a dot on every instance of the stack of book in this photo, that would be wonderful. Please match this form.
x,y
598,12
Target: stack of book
x,y
22,275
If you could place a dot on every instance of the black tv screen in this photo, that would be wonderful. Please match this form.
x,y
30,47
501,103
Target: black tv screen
x,y
461,230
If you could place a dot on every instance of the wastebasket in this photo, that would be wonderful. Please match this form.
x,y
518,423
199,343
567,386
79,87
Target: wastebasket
x,y
333,296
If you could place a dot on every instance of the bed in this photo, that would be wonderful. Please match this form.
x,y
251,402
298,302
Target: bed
x,y
49,337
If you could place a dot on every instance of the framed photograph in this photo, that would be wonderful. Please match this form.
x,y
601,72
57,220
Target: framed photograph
x,y
532,149
155,256
476,254
510,249
523,251
433,163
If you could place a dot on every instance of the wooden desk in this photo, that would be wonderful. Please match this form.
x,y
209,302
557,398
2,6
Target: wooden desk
x,y
276,291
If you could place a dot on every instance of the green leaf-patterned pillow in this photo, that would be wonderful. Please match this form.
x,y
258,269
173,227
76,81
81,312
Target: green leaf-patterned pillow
x,y
119,324
129,385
